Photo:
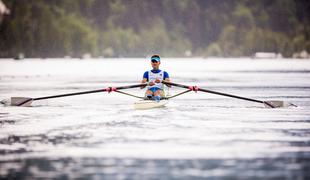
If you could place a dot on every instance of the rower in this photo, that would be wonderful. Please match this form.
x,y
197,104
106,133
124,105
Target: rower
x,y
154,78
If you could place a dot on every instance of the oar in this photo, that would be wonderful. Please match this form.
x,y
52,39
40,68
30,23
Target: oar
x,y
271,104
26,101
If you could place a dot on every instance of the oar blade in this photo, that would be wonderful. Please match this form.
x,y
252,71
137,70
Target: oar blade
x,y
6,102
21,101
278,104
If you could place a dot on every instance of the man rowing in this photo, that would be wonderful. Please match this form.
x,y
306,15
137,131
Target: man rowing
x,y
154,78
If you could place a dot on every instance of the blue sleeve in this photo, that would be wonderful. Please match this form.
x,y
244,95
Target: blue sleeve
x,y
146,75
166,75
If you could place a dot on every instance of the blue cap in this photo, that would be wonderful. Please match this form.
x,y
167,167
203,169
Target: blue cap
x,y
155,58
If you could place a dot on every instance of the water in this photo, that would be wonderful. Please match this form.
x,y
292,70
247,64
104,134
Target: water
x,y
196,136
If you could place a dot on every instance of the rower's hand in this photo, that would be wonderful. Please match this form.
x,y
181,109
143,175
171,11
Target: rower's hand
x,y
157,81
143,86
151,83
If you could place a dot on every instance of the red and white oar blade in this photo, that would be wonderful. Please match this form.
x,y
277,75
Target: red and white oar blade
x,y
21,101
278,104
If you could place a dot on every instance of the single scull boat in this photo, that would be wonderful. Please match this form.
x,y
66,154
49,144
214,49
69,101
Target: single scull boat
x,y
144,103
150,104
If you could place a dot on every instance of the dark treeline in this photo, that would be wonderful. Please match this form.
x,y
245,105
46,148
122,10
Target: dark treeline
x,y
133,28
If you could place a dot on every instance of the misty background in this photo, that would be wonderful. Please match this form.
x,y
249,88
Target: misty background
x,y
136,28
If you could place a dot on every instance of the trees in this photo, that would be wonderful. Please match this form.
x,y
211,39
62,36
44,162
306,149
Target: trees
x,y
45,28
42,28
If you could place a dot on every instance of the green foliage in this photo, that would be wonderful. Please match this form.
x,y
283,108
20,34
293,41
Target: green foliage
x,y
119,42
243,17
46,30
155,38
80,38
213,50
113,28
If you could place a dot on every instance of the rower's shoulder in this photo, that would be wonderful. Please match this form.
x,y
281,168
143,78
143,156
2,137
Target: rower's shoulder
x,y
165,72
166,75
146,74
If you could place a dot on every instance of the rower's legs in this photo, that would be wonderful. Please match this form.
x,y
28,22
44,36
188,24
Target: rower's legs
x,y
149,94
157,95
156,92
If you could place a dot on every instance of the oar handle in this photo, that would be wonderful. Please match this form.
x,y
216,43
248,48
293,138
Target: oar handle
x,y
195,88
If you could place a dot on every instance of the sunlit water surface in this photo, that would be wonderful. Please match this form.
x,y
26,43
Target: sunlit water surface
x,y
196,136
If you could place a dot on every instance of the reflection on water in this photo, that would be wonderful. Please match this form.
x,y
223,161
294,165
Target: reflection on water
x,y
197,136
288,166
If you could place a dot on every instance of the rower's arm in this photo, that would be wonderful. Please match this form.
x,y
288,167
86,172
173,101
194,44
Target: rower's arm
x,y
168,80
144,80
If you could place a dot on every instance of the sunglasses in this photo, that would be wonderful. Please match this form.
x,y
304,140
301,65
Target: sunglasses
x,y
154,61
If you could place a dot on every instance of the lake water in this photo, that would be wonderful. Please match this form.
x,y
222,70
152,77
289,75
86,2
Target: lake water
x,y
196,136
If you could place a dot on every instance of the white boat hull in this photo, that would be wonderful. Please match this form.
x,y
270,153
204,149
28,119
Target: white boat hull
x,y
150,104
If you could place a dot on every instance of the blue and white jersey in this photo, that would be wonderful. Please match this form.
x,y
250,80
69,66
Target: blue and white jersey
x,y
152,75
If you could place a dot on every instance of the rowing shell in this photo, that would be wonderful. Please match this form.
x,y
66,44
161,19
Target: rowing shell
x,y
150,104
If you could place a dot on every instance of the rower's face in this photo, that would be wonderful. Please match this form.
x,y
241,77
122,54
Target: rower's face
x,y
155,64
